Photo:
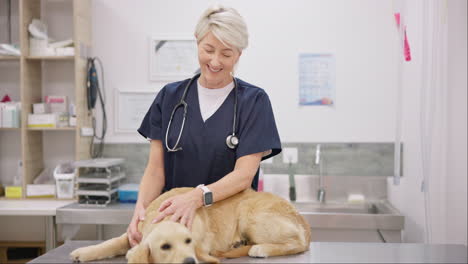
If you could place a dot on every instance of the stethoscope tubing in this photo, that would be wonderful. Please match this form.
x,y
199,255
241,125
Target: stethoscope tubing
x,y
182,103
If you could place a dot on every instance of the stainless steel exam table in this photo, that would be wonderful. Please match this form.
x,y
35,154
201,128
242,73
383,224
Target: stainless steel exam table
x,y
319,252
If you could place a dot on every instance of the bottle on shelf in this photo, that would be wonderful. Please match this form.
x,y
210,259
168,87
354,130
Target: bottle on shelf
x,y
18,179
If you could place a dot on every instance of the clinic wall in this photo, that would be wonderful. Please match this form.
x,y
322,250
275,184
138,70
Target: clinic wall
x,y
360,33
448,171
457,171
407,197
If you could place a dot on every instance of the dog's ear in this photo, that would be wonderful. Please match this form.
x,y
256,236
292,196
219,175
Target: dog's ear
x,y
139,254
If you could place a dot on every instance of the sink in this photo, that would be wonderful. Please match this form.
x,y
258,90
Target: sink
x,y
334,208
369,215
344,208
337,220
375,221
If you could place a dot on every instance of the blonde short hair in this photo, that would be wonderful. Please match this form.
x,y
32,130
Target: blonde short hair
x,y
226,24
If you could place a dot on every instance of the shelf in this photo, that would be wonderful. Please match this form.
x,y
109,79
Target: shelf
x,y
53,128
10,129
31,70
9,58
50,57
72,200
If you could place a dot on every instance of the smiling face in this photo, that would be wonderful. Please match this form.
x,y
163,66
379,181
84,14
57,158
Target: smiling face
x,y
216,61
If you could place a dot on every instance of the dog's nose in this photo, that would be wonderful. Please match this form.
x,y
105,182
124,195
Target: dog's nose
x,y
189,260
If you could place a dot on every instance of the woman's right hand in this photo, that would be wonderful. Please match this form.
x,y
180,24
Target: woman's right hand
x,y
134,236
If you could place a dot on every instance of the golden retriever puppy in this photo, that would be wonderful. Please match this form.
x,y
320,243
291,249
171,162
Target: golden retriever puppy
x,y
256,224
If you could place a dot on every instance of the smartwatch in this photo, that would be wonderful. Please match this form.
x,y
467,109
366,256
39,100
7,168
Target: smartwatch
x,y
207,195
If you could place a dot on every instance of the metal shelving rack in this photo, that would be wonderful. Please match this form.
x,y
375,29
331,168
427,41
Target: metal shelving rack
x,y
98,181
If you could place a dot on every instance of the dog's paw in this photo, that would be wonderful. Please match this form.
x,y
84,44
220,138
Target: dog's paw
x,y
81,254
257,251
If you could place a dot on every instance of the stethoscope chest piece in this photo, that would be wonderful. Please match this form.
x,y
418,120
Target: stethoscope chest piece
x,y
232,141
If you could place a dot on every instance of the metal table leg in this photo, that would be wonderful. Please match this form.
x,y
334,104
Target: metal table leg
x,y
51,232
100,232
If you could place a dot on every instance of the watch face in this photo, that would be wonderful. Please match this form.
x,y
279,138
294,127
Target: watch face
x,y
208,198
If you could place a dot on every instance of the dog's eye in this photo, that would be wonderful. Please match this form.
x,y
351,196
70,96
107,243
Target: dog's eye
x,y
188,240
166,246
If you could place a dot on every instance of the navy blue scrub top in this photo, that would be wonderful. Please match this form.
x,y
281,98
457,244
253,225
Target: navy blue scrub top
x,y
205,158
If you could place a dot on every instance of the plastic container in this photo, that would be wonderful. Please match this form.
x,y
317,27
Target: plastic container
x,y
18,180
64,181
128,193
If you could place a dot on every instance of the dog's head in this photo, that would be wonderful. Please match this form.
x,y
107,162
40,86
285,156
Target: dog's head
x,y
168,242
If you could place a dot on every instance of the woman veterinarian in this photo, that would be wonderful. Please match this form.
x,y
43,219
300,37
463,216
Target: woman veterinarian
x,y
210,131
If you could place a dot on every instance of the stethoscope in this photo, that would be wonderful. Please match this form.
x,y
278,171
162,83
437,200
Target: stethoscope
x,y
231,141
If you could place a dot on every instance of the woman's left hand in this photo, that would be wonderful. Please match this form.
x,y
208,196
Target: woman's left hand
x,y
182,207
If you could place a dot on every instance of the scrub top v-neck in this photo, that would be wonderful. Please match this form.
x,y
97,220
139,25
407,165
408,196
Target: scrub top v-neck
x,y
205,157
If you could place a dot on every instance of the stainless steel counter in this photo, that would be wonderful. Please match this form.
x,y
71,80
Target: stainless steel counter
x,y
375,221
377,215
319,252
112,214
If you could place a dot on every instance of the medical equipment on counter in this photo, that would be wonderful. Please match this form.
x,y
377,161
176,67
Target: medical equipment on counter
x,y
93,92
231,141
98,181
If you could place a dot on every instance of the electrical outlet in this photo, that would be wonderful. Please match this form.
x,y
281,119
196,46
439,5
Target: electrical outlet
x,y
87,131
290,155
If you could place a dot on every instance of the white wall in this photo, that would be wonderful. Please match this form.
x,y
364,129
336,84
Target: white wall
x,y
448,168
361,34
457,172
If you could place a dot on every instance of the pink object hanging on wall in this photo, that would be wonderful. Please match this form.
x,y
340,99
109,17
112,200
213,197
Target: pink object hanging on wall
x,y
406,50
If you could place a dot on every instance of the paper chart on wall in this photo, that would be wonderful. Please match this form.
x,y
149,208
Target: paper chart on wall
x,y
172,59
316,79
131,107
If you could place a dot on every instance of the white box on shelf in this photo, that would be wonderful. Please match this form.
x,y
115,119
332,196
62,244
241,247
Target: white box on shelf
x,y
42,120
42,52
68,51
6,117
40,190
38,44
10,114
58,103
41,108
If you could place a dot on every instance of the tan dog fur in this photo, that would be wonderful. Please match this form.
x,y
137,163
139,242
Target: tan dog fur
x,y
251,223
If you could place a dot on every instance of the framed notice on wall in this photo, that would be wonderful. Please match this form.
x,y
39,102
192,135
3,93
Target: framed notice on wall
x,y
130,109
172,58
316,79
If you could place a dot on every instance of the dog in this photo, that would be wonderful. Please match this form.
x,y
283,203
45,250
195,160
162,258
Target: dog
x,y
257,224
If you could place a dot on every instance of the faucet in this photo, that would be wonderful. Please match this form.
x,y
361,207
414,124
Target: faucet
x,y
321,190
292,183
